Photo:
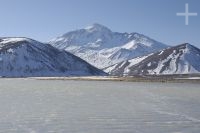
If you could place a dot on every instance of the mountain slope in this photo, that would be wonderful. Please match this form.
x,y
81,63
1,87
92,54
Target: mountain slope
x,y
101,47
181,59
22,57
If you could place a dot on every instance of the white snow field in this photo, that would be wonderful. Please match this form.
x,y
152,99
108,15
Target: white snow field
x,y
67,106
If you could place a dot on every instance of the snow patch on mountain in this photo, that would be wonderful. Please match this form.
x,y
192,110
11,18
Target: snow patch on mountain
x,y
125,66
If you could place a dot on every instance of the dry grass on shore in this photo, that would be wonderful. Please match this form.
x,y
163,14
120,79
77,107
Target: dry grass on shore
x,y
179,79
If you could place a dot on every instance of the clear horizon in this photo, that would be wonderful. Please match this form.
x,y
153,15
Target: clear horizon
x,y
45,20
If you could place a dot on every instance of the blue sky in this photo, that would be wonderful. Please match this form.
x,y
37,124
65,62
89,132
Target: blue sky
x,y
45,19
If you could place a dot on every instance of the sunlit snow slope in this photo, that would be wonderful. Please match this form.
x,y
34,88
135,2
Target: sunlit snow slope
x,y
22,57
101,47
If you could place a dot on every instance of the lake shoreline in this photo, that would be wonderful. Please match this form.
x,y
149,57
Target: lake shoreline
x,y
126,79
178,78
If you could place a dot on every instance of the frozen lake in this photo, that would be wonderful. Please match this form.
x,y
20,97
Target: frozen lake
x,y
56,106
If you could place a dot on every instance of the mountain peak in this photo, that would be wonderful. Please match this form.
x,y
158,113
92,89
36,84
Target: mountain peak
x,y
11,42
6,40
101,47
96,27
186,46
13,39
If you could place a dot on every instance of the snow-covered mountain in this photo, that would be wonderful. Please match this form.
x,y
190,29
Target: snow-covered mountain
x,y
101,47
181,59
22,57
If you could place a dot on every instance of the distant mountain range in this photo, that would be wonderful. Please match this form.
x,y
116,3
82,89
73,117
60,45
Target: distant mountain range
x,y
119,54
101,47
23,57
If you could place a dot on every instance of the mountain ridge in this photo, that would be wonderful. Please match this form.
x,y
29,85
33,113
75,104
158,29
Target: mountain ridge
x,y
180,59
24,57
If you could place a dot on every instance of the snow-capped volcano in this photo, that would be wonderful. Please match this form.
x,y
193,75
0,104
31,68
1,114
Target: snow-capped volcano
x,y
181,59
22,57
101,47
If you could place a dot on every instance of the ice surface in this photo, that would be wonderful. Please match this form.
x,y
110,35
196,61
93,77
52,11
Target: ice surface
x,y
53,106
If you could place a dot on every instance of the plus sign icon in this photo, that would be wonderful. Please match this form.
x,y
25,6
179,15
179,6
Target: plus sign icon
x,y
187,14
